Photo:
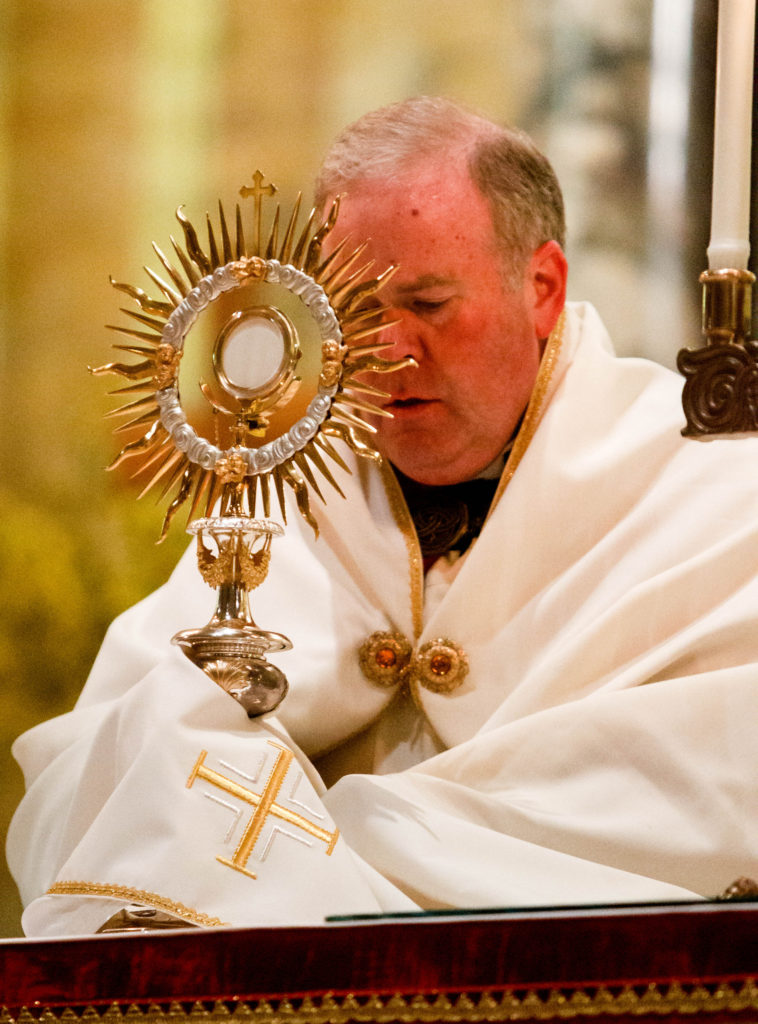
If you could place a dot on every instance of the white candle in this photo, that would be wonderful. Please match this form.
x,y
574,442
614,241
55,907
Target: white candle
x,y
730,205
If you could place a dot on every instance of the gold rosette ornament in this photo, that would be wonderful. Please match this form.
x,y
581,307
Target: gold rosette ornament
x,y
280,335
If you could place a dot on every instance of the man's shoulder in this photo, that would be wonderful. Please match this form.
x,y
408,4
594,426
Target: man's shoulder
x,y
586,338
625,413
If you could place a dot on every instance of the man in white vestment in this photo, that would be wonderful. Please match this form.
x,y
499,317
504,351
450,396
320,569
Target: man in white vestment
x,y
525,663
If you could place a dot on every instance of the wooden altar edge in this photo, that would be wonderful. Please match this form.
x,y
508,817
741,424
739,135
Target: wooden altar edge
x,y
676,962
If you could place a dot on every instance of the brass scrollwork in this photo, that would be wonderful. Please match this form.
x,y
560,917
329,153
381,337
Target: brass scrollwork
x,y
720,394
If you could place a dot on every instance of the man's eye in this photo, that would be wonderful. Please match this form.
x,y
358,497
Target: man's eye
x,y
428,305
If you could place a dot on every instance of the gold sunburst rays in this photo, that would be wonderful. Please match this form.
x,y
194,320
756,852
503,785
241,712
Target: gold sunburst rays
x,y
338,292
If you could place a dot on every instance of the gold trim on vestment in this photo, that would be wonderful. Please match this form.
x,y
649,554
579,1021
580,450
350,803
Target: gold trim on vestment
x,y
567,1002
125,892
534,409
402,516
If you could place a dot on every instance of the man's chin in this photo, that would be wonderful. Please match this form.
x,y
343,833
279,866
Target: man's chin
x,y
428,462
440,473
426,455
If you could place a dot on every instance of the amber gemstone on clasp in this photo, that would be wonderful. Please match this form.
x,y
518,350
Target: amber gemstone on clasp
x,y
385,657
440,665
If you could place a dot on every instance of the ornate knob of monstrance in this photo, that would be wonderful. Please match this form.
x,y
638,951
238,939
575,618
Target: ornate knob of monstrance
x,y
230,649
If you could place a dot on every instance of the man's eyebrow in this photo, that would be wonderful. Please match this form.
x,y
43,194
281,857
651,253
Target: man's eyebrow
x,y
425,281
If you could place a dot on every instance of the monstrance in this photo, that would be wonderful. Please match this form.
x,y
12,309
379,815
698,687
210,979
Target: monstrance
x,y
278,335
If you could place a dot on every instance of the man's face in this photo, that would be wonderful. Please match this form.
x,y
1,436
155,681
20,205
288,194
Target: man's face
x,y
475,341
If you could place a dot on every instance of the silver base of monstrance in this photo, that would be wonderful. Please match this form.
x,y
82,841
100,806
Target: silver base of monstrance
x,y
230,648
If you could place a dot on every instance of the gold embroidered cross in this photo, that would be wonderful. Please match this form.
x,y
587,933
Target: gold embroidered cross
x,y
257,190
265,804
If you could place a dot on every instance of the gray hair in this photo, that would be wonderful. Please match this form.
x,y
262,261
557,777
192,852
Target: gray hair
x,y
504,163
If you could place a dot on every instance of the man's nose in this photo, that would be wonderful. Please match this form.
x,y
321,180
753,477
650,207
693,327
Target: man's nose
x,y
404,333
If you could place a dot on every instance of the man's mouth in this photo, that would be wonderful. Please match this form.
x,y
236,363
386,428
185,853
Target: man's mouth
x,y
405,403
410,406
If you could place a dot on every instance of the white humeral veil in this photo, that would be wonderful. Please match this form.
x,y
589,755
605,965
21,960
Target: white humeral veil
x,y
601,748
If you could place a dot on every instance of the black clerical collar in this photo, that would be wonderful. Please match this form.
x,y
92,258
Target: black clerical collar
x,y
450,517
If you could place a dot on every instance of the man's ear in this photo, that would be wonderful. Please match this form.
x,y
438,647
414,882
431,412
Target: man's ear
x,y
546,274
